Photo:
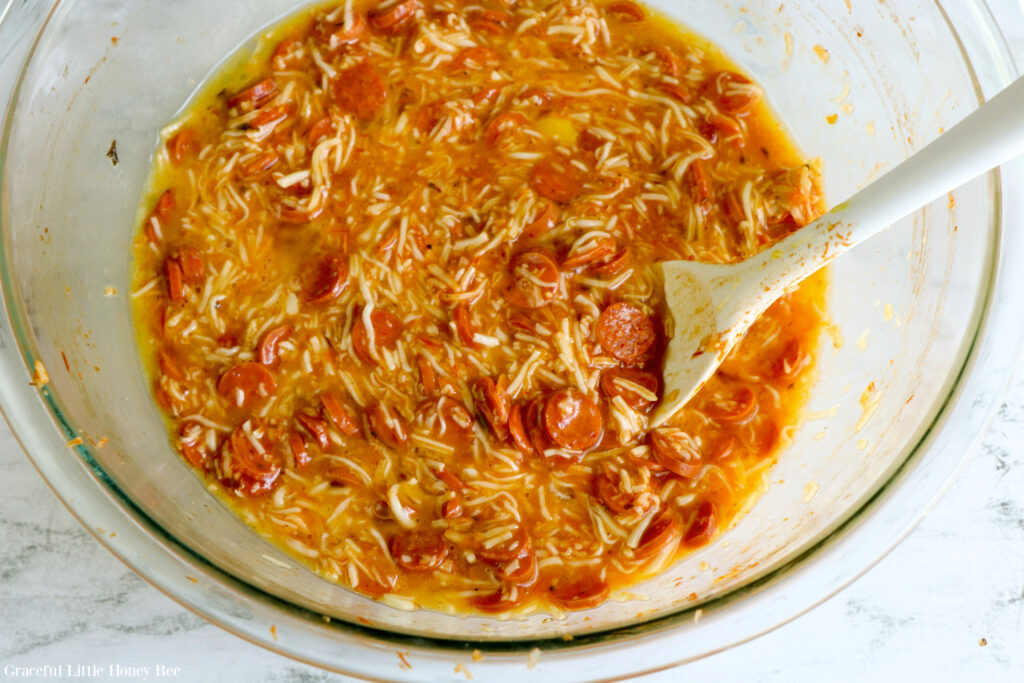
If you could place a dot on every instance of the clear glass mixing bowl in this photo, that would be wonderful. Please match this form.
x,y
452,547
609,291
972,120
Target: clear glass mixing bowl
x,y
926,312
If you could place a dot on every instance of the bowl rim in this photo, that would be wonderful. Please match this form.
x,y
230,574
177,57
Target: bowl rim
x,y
99,505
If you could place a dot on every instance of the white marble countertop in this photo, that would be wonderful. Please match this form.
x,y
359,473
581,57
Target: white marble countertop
x,y
946,605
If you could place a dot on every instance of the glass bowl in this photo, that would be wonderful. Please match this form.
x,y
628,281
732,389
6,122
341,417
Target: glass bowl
x,y
924,334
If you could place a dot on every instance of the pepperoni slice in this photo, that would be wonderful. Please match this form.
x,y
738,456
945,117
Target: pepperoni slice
x,y
703,527
522,321
183,145
448,418
297,445
725,448
619,382
589,249
535,280
259,164
701,186
387,425
608,492
614,265
736,409
449,478
227,341
675,450
191,262
735,94
316,428
388,243
319,130
336,34
486,26
626,333
451,508
387,328
175,280
342,474
474,58
666,57
726,127
336,411
676,92
734,208
504,123
572,420
246,383
427,375
521,571
662,533
589,141
485,96
533,421
499,552
169,365
496,15
164,205
256,466
429,115
463,325
580,592
626,11
285,54
266,351
254,96
419,551
791,362
392,19
246,457
492,401
327,280
500,601
360,90
543,221
271,115
381,583
195,452
517,429
557,179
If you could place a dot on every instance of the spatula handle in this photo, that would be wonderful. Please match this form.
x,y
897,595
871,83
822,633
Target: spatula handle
x,y
989,136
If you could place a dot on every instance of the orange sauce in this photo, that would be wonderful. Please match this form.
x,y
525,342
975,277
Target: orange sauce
x,y
398,285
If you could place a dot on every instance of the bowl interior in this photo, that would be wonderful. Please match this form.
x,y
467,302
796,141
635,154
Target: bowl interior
x,y
905,306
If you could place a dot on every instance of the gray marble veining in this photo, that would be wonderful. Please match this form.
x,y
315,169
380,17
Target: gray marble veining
x,y
921,613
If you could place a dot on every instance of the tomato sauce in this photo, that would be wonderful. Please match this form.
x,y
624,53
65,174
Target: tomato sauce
x,y
397,283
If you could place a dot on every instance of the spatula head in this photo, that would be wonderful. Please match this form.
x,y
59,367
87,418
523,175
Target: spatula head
x,y
699,342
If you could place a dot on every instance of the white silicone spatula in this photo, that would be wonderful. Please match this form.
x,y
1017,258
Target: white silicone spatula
x,y
712,306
